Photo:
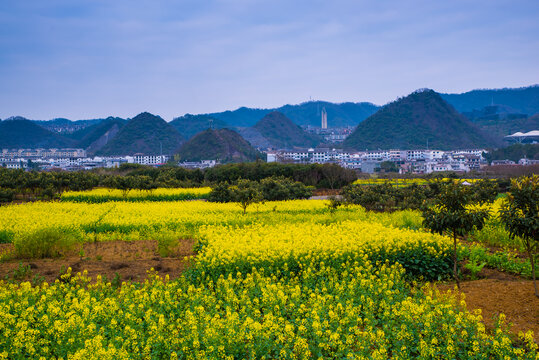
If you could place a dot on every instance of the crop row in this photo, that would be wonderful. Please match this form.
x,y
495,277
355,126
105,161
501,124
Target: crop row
x,y
142,220
100,195
357,312
290,248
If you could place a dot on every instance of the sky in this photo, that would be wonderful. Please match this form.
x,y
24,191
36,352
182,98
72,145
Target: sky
x,y
84,59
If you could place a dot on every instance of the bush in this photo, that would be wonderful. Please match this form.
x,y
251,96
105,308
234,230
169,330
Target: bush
x,y
6,195
271,189
45,243
281,188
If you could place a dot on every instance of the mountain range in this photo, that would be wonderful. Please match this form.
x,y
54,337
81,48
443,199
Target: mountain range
x,y
475,118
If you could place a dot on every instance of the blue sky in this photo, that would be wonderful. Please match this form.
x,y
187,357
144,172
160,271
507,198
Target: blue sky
x,y
95,58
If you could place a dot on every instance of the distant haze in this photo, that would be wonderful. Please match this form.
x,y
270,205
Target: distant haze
x,y
95,58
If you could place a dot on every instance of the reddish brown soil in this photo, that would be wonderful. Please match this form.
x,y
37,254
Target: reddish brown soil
x,y
130,260
497,293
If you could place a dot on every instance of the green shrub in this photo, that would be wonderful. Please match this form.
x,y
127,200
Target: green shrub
x,y
6,236
45,243
270,189
167,241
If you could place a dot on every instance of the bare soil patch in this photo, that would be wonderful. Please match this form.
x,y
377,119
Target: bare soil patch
x,y
129,259
498,293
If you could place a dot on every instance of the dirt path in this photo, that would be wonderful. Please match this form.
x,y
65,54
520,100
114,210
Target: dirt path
x,y
502,293
130,260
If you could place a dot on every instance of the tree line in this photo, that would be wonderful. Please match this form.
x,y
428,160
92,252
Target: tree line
x,y
31,185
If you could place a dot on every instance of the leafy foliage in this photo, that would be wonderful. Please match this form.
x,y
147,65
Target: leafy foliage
x,y
45,243
520,214
451,216
270,189
515,152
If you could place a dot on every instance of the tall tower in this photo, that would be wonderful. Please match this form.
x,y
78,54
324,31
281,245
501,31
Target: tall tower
x,y
324,118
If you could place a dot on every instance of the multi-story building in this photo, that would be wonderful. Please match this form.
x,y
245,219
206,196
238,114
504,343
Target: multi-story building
x,y
150,159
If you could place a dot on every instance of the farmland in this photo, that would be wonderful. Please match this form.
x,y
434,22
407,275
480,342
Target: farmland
x,y
289,279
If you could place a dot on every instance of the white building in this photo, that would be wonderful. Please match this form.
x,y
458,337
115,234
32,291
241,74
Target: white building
x,y
150,159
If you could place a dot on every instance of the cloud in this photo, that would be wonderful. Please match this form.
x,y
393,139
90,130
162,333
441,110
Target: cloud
x,y
98,58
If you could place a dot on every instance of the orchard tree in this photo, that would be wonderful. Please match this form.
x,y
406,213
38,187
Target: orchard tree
x,y
246,192
520,215
450,216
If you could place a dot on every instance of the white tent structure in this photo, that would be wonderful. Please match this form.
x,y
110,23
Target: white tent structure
x,y
530,137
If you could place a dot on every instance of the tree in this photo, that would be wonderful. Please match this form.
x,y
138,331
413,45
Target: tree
x,y
450,216
520,215
389,166
246,193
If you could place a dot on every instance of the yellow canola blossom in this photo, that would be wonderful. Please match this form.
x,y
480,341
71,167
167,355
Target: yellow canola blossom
x,y
358,312
298,245
161,194
142,220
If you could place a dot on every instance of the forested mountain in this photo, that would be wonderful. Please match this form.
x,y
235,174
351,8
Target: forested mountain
x,y
308,113
523,100
412,121
66,126
222,144
22,133
189,125
146,134
94,137
282,133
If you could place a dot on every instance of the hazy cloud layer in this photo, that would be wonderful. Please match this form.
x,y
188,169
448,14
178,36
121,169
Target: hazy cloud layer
x,y
86,59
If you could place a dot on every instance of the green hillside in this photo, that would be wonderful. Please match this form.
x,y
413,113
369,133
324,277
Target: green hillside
x,y
22,133
145,134
282,133
189,125
218,144
515,152
89,135
410,122
507,126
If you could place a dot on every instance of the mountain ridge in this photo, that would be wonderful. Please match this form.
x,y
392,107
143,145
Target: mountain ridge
x,y
416,121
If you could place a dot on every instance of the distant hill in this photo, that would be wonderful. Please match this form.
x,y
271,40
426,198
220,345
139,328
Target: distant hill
x,y
22,133
94,137
507,126
282,133
189,125
339,114
66,126
523,100
218,144
410,122
145,133
308,113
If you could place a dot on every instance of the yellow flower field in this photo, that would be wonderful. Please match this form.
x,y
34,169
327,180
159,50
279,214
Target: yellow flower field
x,y
162,194
288,280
